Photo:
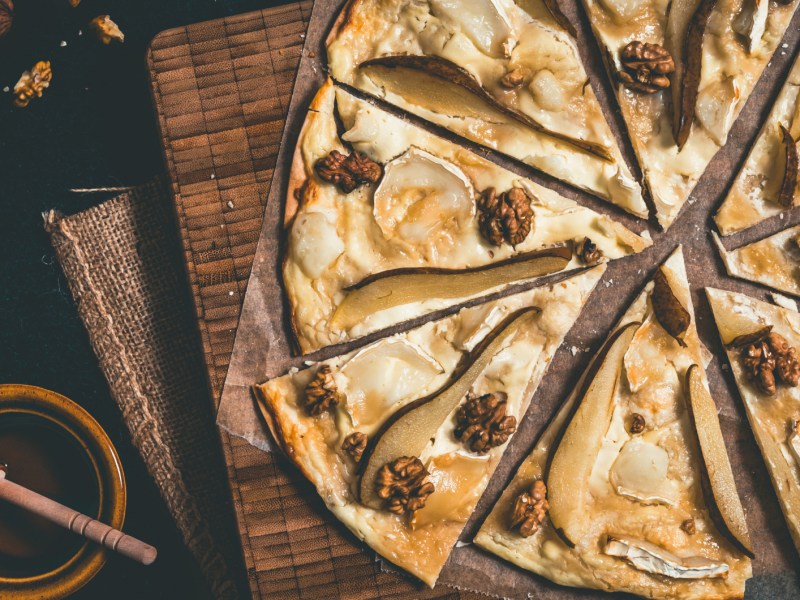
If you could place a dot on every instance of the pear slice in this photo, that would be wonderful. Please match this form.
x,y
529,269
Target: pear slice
x,y
686,25
438,84
790,164
409,430
568,475
398,287
717,472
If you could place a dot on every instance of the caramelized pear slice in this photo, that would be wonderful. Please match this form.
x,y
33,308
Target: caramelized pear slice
x,y
686,25
717,472
669,311
438,84
571,466
398,287
408,431
745,339
789,182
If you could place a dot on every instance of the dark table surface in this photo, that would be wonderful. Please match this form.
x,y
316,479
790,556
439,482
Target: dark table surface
x,y
93,128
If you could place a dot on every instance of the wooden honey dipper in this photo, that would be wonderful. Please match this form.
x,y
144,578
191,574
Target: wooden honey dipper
x,y
94,530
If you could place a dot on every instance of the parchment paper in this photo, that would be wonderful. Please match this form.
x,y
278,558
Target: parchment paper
x,y
261,350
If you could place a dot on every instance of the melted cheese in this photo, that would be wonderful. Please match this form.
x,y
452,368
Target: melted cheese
x,y
671,175
407,220
490,38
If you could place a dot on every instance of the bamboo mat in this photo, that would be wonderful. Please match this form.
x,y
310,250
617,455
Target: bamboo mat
x,y
221,91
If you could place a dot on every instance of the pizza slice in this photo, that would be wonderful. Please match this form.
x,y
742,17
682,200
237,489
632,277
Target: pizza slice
x,y
684,69
401,437
760,340
767,182
503,74
629,489
386,222
773,261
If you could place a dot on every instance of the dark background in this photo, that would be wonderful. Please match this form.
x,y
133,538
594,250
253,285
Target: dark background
x,y
94,127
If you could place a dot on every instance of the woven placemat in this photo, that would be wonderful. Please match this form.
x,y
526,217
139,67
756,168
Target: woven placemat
x,y
123,263
123,266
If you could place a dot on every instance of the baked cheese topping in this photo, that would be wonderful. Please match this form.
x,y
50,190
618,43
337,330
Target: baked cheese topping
x,y
754,194
772,261
645,483
420,214
492,39
728,74
381,378
771,416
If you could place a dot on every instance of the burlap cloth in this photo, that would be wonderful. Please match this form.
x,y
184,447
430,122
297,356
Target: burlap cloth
x,y
124,269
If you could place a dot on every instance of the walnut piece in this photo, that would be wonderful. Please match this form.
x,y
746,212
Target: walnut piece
x,y
348,171
588,252
506,217
637,423
402,484
321,392
771,360
689,526
106,30
6,16
530,509
482,423
514,78
355,444
645,67
32,83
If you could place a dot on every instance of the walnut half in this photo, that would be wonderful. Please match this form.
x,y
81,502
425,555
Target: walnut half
x,y
322,392
771,360
482,423
645,67
507,217
530,509
355,444
32,83
348,171
402,484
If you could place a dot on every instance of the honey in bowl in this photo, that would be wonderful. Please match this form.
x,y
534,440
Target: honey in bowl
x,y
45,457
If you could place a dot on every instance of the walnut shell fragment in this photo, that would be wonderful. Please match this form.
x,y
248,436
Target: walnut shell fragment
x,y
106,30
671,314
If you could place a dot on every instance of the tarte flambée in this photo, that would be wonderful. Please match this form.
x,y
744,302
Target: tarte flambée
x,y
772,261
445,397
684,70
759,191
760,340
439,225
612,496
503,74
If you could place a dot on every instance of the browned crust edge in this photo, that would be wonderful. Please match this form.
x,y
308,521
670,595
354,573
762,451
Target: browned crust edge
x,y
341,22
272,419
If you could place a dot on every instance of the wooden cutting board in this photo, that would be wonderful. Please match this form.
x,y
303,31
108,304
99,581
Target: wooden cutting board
x,y
221,91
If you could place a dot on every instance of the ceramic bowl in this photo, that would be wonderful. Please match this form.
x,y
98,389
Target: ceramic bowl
x,y
77,569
